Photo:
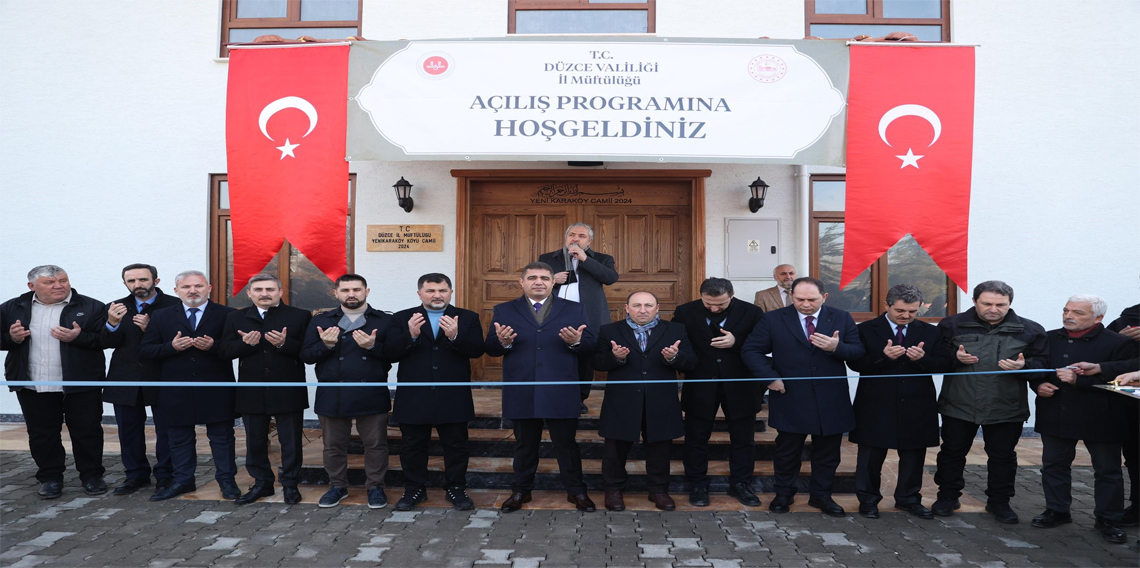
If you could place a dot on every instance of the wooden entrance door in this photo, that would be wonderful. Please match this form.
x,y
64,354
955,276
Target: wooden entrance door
x,y
651,222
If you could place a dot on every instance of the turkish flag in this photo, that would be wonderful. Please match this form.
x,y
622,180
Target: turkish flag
x,y
910,137
286,119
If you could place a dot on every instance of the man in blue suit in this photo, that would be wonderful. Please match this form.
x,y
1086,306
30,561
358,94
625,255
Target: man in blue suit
x,y
540,338
806,339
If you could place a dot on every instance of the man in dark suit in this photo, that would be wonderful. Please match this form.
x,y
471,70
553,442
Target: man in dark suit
x,y
1128,325
1069,409
127,320
182,337
347,345
579,275
806,339
717,325
266,338
638,349
896,412
541,338
436,345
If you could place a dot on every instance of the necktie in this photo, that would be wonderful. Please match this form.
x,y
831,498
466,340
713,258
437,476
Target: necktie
x,y
899,335
143,308
193,318
787,298
537,306
810,326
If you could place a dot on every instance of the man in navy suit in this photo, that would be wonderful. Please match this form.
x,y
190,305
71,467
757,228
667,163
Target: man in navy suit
x,y
806,339
541,338
186,338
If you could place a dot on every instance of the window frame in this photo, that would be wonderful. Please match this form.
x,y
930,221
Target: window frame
x,y
880,274
874,17
513,6
218,243
292,19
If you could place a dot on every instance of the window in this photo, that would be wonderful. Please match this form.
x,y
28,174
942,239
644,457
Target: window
x,y
928,20
304,286
244,20
905,263
581,16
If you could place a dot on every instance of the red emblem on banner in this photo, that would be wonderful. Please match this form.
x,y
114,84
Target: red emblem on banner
x,y
910,132
286,117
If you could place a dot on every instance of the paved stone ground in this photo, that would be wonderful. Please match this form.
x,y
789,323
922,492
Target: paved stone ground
x,y
78,530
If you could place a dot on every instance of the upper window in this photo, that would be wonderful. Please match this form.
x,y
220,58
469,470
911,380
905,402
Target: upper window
x,y
865,296
244,20
581,16
928,20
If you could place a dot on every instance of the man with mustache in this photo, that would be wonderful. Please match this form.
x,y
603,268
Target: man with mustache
x,y
127,320
185,338
780,295
266,337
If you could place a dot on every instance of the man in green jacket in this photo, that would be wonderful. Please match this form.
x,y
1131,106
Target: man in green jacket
x,y
986,337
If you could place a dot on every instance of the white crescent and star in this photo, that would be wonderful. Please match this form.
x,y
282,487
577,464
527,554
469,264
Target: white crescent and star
x,y
280,105
910,159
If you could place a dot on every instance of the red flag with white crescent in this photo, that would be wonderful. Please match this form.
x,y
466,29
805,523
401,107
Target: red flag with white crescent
x,y
910,134
286,118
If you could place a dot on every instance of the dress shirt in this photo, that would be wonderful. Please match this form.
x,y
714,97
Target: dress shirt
x,y
803,321
45,362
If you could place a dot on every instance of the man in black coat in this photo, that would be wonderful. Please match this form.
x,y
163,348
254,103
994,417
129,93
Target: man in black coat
x,y
436,345
1128,325
127,320
896,412
806,339
186,339
717,325
579,275
347,345
1069,409
266,339
51,333
641,348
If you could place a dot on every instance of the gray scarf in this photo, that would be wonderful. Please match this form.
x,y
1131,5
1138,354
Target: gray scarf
x,y
641,332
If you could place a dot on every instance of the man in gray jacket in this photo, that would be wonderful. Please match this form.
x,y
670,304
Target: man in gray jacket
x,y
986,337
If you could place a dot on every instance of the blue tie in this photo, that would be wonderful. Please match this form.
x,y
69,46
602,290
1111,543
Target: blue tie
x,y
193,318
537,306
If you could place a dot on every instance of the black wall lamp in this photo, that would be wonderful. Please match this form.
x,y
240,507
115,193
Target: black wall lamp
x,y
759,192
404,194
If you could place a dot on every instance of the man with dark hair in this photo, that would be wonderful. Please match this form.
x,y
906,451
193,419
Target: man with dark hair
x,y
347,346
266,338
127,320
541,338
716,326
436,345
1128,325
580,273
806,339
987,337
896,412
51,333
182,337
1070,409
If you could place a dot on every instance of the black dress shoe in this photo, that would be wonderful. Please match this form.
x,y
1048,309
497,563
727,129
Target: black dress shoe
x,y
744,494
515,502
828,506
160,484
582,502
1131,517
868,511
662,501
50,490
614,501
1050,519
257,491
945,507
781,504
915,509
95,486
1109,531
1002,513
699,497
291,494
229,490
171,491
131,484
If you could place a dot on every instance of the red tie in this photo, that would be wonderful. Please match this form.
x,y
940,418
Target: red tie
x,y
899,335
810,326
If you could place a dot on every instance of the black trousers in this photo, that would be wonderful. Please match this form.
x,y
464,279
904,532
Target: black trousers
x,y
1131,448
528,437
788,461
131,421
44,416
289,435
742,449
1001,466
1057,456
585,373
184,453
869,469
414,453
